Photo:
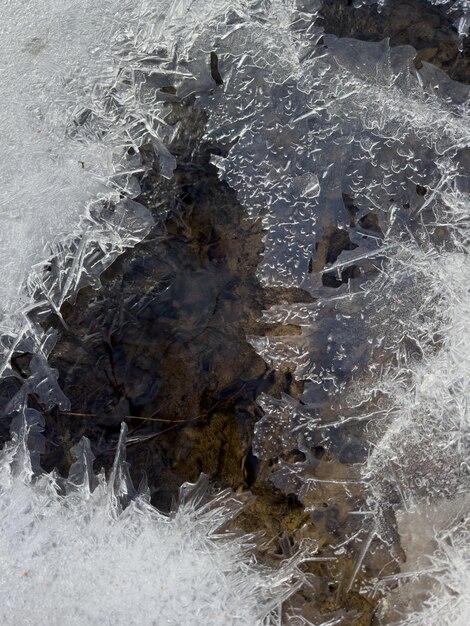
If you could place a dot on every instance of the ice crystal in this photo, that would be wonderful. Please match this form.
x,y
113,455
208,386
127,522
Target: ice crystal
x,y
356,163
90,550
74,115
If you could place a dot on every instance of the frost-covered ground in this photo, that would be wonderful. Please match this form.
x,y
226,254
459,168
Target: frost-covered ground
x,y
89,550
357,164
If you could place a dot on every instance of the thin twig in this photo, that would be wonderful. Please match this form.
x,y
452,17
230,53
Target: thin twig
x,y
174,422
127,417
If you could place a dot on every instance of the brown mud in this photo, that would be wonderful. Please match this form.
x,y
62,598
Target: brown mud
x,y
429,29
162,345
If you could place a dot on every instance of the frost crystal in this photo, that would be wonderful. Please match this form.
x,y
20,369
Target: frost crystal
x,y
88,550
73,117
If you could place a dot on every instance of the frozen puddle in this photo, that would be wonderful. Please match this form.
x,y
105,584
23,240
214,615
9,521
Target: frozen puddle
x,y
356,164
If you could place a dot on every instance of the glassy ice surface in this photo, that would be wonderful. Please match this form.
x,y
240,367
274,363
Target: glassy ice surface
x,y
357,164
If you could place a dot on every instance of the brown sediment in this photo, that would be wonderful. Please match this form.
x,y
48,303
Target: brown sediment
x,y
164,337
405,22
162,345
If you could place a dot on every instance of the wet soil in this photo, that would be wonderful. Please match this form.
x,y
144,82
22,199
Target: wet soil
x,y
162,345
429,29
